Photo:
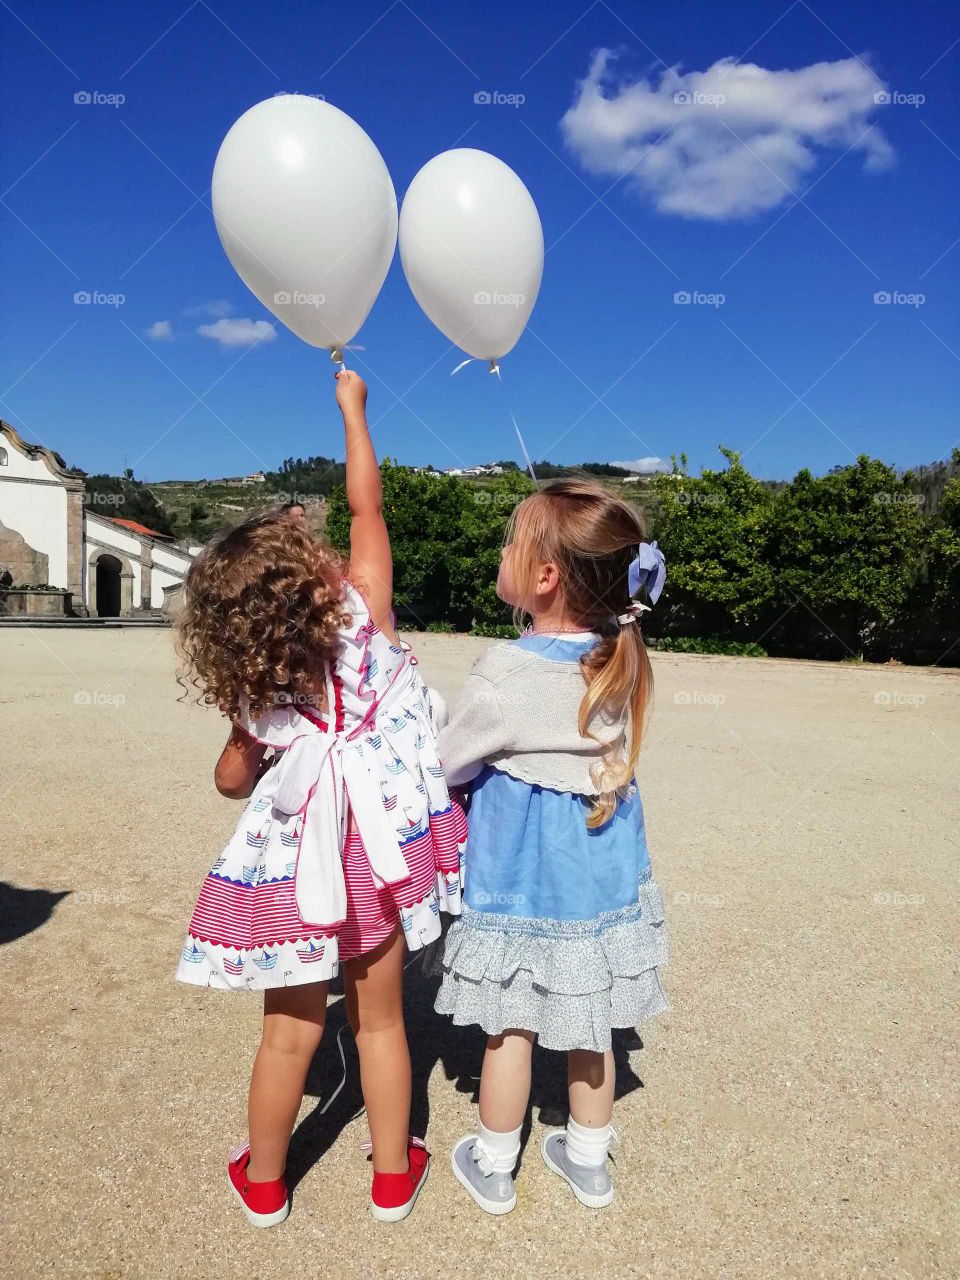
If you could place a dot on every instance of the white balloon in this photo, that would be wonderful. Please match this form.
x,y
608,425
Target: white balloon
x,y
471,245
307,214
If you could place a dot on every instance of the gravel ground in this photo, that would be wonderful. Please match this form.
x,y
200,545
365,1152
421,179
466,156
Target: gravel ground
x,y
794,1115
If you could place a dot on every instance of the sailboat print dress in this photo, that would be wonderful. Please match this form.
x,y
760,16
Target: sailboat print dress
x,y
351,831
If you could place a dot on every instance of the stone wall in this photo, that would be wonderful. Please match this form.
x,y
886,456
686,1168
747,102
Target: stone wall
x,y
25,565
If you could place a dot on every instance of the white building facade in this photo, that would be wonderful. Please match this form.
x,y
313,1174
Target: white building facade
x,y
48,538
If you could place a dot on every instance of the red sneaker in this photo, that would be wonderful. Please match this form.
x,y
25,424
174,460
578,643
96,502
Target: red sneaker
x,y
264,1203
393,1195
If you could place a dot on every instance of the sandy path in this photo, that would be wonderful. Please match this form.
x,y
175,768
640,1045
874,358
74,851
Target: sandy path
x,y
797,1115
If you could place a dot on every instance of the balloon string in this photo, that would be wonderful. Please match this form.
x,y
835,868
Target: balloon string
x,y
495,368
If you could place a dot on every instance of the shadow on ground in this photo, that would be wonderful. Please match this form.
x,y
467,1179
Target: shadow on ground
x,y
433,1039
23,910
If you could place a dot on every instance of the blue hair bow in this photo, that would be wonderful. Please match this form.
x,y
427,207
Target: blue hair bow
x,y
648,570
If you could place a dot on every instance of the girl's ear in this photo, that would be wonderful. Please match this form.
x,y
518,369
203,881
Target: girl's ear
x,y
548,578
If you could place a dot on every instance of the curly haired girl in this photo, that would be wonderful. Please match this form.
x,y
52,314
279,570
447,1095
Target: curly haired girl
x,y
349,843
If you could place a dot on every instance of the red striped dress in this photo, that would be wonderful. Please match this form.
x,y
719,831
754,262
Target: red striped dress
x,y
251,929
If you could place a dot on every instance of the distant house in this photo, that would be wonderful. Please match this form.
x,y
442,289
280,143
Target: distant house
x,y
257,477
110,566
484,469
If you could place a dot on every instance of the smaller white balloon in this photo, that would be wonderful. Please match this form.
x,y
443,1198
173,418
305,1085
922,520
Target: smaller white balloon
x,y
307,214
471,245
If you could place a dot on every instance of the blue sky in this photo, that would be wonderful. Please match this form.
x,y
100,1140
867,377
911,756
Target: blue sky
x,y
798,199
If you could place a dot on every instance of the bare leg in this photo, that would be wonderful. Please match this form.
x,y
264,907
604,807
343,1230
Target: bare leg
x,y
505,1081
293,1020
591,1078
374,993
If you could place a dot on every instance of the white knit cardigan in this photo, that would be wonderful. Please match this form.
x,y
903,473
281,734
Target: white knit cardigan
x,y
518,712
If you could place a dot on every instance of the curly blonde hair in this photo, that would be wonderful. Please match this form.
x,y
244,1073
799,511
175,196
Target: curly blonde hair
x,y
261,611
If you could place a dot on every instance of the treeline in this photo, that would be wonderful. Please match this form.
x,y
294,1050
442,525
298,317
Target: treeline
x,y
850,564
307,477
603,470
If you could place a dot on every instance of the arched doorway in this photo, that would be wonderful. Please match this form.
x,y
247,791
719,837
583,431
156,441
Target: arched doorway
x,y
108,587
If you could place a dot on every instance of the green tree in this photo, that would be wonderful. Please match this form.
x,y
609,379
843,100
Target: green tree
x,y
200,523
714,531
423,514
306,477
847,545
126,498
944,543
475,559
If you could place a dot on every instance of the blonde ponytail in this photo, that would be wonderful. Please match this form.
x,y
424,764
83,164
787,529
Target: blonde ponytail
x,y
619,683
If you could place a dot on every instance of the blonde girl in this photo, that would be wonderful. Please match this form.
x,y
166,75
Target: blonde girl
x,y
562,935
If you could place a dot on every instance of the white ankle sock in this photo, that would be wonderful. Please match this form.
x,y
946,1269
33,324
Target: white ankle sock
x,y
498,1150
588,1147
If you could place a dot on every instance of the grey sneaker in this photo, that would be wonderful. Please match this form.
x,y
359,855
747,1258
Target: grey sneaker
x,y
493,1192
592,1187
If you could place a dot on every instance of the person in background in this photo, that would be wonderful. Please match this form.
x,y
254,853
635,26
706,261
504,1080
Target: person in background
x,y
296,511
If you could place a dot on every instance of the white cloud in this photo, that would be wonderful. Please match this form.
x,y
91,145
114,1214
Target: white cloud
x,y
161,331
643,465
215,309
239,333
727,142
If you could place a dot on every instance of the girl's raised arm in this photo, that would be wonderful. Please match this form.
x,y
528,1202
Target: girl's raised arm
x,y
371,563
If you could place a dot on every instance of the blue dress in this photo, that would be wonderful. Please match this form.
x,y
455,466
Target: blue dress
x,y
563,930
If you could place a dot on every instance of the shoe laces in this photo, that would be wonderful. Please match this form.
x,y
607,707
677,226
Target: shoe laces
x,y
236,1152
482,1158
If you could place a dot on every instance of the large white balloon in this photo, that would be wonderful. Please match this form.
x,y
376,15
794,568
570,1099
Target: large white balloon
x,y
307,214
471,245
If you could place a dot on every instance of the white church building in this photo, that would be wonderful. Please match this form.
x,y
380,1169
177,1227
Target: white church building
x,y
105,566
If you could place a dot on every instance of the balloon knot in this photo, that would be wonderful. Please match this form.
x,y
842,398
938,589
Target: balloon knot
x,y
494,367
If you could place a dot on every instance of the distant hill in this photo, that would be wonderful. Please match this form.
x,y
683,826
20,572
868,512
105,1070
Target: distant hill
x,y
196,509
